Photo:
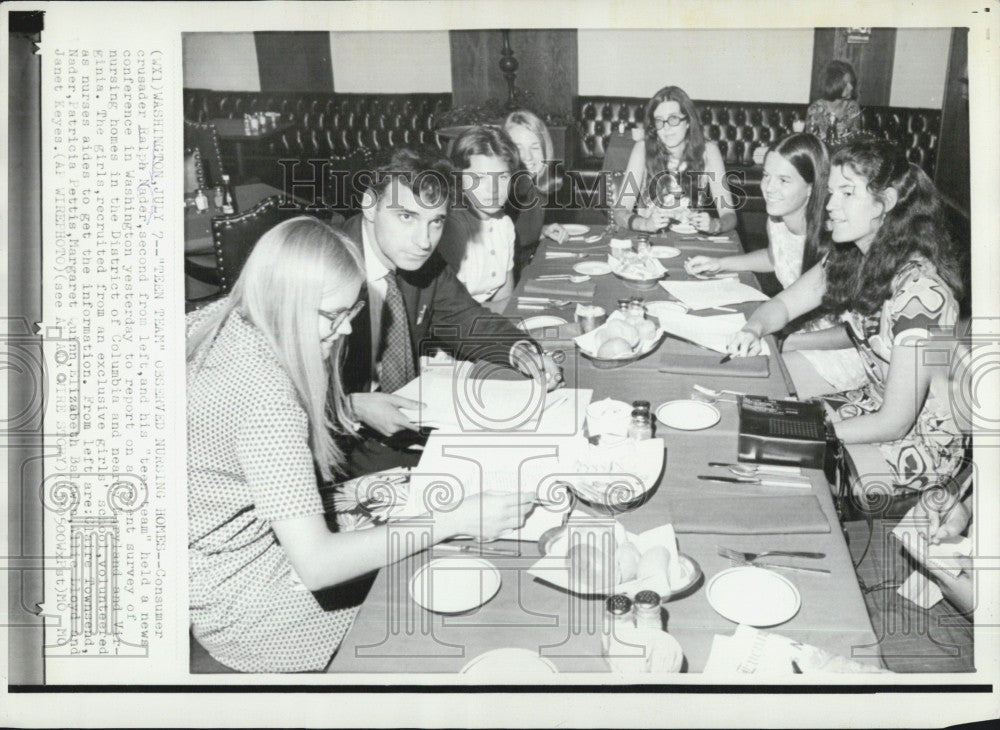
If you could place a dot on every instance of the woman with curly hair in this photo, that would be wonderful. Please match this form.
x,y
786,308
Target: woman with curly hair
x,y
674,173
893,270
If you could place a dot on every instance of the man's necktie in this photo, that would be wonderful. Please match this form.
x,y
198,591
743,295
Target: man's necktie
x,y
396,359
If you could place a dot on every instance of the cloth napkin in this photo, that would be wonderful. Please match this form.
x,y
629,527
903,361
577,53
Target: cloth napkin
x,y
748,515
561,290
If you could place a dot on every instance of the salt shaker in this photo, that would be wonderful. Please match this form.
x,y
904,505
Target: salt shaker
x,y
648,613
640,426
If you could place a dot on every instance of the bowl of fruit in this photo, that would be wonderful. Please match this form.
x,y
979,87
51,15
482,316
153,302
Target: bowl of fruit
x,y
624,338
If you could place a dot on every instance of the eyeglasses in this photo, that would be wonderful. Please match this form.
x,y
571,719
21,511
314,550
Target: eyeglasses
x,y
673,120
339,317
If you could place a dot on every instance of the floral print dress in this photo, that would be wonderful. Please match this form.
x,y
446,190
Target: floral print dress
x,y
921,308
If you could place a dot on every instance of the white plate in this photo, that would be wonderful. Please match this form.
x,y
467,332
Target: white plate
x,y
543,320
454,585
683,228
510,663
575,229
753,596
592,268
665,252
688,415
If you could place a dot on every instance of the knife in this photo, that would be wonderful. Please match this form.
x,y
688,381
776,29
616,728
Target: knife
x,y
775,481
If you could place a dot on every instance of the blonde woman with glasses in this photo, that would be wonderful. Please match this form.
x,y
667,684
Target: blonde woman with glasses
x,y
262,422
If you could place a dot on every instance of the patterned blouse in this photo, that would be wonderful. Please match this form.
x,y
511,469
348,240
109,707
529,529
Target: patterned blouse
x,y
833,122
921,309
249,464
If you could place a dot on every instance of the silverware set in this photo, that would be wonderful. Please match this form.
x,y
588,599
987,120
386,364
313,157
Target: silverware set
x,y
738,558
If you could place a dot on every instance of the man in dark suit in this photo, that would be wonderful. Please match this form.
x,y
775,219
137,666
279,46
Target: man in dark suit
x,y
402,218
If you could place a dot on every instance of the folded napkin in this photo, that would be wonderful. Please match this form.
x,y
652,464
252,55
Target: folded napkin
x,y
742,367
748,515
561,290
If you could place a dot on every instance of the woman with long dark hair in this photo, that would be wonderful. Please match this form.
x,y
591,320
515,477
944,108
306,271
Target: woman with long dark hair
x,y
893,270
794,188
674,173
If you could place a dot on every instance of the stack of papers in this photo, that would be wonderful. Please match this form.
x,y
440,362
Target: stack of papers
x,y
453,467
713,332
455,402
716,293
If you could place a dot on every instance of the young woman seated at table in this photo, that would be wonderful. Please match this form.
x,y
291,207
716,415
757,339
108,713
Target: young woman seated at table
x,y
893,270
674,173
794,188
836,116
528,193
478,237
259,432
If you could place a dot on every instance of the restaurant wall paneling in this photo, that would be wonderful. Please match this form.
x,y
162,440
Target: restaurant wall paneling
x,y
547,67
294,61
220,61
872,61
952,173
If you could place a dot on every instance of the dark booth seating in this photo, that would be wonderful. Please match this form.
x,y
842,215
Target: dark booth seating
x,y
347,129
344,129
741,127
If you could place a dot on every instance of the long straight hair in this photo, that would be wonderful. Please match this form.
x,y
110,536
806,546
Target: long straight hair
x,y
546,182
694,151
914,226
279,292
807,154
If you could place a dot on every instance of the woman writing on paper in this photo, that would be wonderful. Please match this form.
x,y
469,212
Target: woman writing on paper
x,y
794,188
674,174
260,430
893,270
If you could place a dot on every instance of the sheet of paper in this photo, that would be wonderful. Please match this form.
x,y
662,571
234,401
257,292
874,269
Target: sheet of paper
x,y
912,530
715,293
712,332
456,466
455,402
921,590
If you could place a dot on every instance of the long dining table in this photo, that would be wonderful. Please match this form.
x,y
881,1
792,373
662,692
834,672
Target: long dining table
x,y
393,634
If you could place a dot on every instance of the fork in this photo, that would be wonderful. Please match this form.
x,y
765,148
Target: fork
x,y
750,557
737,559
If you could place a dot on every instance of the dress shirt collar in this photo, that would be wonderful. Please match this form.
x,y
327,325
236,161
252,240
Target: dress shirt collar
x,y
375,269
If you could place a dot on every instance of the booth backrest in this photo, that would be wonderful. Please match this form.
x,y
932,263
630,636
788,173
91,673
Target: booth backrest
x,y
741,127
330,124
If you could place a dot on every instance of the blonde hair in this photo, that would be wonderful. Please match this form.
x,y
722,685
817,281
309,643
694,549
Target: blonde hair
x,y
546,182
279,292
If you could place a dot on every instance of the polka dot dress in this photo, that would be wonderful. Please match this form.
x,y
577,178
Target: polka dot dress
x,y
249,463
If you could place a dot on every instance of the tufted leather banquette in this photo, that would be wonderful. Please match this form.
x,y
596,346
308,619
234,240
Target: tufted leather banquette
x,y
741,127
330,124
